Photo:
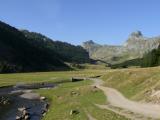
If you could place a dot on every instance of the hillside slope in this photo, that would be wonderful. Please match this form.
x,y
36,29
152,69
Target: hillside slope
x,y
67,52
150,59
135,83
17,54
22,51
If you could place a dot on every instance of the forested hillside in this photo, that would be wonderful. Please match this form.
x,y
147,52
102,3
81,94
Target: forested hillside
x,y
150,59
67,52
21,52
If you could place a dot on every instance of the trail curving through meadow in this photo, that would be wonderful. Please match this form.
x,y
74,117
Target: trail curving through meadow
x,y
116,99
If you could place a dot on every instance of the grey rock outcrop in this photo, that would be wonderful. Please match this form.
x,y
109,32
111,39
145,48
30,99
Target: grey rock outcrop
x,y
135,47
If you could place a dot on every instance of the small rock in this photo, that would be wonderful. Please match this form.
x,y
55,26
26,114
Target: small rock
x,y
26,117
42,98
5,102
43,111
46,105
74,93
44,114
74,112
25,112
94,86
21,109
18,118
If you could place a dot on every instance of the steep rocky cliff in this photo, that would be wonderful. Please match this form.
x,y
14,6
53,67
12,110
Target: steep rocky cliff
x,y
135,46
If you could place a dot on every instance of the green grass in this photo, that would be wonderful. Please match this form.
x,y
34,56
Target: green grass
x,y
12,79
62,102
135,82
95,67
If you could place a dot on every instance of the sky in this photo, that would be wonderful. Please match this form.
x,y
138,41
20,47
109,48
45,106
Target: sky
x,y
75,21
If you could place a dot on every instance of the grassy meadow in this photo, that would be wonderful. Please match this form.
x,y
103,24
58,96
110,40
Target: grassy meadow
x,y
133,83
12,79
61,99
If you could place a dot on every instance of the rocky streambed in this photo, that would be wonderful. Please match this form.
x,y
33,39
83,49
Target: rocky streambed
x,y
21,103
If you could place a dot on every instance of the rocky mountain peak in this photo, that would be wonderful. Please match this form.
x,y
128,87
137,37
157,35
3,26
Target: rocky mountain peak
x,y
89,42
135,39
90,46
136,34
134,47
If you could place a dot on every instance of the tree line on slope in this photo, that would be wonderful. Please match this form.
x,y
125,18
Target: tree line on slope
x,y
150,59
20,52
67,52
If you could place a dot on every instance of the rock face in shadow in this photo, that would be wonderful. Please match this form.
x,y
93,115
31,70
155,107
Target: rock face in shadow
x,y
134,47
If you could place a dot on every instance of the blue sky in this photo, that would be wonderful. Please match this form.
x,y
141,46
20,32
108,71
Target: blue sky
x,y
75,21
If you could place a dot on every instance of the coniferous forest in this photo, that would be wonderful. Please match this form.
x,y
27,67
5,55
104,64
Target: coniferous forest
x,y
23,51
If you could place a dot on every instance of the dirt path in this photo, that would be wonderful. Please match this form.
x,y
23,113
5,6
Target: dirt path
x,y
116,99
90,117
125,113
